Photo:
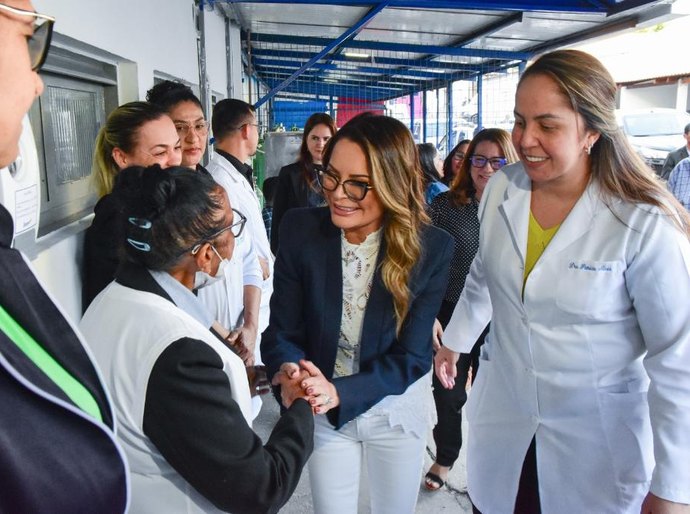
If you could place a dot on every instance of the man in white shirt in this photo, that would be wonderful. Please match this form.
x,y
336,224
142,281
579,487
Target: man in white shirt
x,y
236,133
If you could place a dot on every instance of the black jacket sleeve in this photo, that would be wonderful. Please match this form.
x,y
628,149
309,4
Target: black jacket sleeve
x,y
283,200
196,425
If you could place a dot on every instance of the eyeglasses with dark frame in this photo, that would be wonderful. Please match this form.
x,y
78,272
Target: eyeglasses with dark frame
x,y
355,190
236,228
200,128
479,161
39,41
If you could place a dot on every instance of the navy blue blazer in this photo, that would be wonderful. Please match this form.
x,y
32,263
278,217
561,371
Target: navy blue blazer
x,y
306,309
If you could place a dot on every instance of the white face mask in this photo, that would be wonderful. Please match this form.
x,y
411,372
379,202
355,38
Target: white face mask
x,y
203,279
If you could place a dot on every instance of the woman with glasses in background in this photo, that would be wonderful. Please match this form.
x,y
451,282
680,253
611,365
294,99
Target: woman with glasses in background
x,y
234,302
136,133
185,109
181,395
357,287
297,182
451,165
456,213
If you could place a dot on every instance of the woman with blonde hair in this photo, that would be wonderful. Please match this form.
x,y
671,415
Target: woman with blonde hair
x,y
136,133
582,401
357,287
455,212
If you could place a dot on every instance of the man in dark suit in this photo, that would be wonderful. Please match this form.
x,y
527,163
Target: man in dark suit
x,y
676,156
57,443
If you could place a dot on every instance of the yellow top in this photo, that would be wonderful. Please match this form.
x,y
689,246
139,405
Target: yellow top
x,y
537,241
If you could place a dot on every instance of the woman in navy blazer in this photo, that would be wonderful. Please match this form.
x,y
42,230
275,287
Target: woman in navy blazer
x,y
357,287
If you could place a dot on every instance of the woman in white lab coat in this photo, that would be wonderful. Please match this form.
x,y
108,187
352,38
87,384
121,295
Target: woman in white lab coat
x,y
582,401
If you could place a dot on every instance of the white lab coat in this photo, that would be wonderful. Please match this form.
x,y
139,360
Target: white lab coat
x,y
604,311
243,198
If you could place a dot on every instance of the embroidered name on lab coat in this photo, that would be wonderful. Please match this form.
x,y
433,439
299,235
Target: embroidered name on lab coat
x,y
591,266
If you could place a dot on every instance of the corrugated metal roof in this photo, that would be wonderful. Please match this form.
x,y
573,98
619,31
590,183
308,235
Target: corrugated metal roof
x,y
380,50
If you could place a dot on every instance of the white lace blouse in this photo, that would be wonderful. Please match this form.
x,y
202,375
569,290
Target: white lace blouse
x,y
413,410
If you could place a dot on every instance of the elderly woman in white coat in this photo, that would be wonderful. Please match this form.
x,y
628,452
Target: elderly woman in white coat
x,y
582,401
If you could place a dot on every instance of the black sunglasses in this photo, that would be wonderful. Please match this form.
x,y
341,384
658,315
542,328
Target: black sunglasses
x,y
354,189
39,41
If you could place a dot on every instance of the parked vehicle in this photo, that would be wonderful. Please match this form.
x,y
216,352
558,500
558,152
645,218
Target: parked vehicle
x,y
654,132
461,130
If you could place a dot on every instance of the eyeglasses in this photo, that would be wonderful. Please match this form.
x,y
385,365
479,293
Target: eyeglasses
x,y
458,156
479,161
354,189
236,228
256,124
200,128
39,41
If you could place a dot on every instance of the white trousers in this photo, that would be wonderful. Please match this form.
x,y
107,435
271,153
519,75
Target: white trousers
x,y
393,460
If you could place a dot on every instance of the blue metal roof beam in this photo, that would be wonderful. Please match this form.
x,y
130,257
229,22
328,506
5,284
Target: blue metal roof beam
x,y
571,6
394,47
383,72
329,47
392,61
473,36
334,89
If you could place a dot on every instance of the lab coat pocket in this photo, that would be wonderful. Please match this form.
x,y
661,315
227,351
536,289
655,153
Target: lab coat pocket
x,y
591,289
628,432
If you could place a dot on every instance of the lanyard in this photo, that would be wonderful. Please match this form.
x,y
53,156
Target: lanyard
x,y
46,363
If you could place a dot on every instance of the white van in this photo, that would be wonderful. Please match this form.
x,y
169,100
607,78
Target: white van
x,y
654,132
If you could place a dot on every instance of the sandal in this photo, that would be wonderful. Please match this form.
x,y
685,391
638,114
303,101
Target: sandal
x,y
433,482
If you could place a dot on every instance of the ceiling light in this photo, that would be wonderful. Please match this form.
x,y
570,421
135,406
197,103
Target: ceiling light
x,y
356,55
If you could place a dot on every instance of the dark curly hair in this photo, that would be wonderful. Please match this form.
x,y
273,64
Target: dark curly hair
x,y
165,212
168,93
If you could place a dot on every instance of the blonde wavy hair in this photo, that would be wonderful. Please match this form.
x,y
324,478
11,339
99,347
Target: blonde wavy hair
x,y
120,131
615,166
396,176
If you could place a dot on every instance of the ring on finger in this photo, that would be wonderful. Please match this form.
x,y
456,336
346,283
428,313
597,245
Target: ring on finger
x,y
327,399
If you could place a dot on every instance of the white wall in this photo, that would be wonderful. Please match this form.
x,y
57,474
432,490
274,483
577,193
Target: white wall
x,y
155,34
216,68
651,96
152,35
235,62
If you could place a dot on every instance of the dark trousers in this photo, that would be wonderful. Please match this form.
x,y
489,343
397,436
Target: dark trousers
x,y
449,402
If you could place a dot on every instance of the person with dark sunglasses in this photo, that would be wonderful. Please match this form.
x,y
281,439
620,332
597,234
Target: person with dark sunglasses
x,y
58,451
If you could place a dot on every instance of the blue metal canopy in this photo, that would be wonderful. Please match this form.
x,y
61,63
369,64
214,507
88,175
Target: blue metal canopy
x,y
373,51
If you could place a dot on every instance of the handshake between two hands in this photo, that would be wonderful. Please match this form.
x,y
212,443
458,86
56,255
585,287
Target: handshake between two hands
x,y
305,380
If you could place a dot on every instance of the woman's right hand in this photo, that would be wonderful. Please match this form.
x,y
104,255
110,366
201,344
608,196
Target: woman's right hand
x,y
437,335
289,377
323,396
445,365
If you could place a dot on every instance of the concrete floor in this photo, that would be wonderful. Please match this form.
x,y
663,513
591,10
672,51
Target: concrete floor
x,y
450,499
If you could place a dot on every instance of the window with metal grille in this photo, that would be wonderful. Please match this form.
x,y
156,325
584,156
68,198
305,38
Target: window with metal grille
x,y
79,91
